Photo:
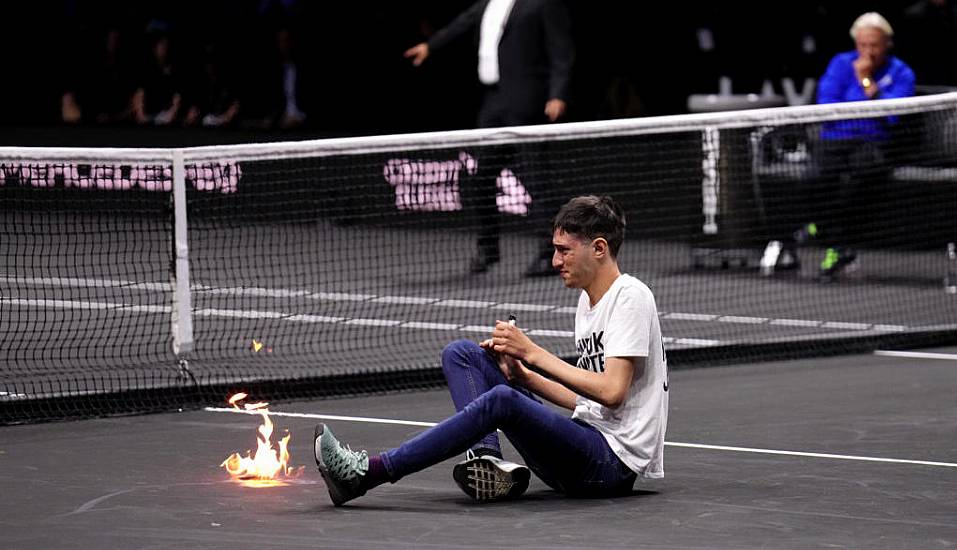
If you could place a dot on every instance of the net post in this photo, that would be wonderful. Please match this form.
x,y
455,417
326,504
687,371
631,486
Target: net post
x,y
711,178
181,318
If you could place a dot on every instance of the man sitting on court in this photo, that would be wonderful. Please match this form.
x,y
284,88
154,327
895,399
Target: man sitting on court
x,y
617,390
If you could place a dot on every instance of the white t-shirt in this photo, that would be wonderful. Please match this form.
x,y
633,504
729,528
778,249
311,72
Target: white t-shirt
x,y
492,26
624,323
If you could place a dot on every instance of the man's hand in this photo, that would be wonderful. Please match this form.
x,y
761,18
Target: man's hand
x,y
864,71
513,369
508,339
863,67
555,109
418,53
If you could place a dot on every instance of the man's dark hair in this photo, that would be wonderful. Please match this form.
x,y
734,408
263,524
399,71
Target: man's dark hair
x,y
592,217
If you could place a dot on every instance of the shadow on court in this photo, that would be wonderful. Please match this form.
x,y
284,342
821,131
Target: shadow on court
x,y
857,451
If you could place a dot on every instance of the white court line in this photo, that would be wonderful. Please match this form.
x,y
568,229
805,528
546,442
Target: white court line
x,y
667,443
847,326
691,341
326,417
75,304
469,304
743,320
813,455
401,300
554,333
916,355
430,326
418,300
86,283
796,323
283,316
523,307
477,328
890,328
374,322
278,315
689,316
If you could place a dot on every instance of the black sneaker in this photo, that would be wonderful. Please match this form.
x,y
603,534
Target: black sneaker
x,y
837,261
341,467
488,478
788,259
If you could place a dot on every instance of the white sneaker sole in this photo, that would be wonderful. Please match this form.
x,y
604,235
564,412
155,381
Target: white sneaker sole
x,y
488,479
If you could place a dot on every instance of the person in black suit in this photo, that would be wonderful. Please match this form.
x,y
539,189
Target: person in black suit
x,y
525,55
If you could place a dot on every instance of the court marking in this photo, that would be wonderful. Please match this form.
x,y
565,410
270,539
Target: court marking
x,y
302,318
86,305
812,455
916,355
804,454
313,416
201,289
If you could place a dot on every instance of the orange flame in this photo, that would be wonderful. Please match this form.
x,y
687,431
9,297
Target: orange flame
x,y
261,469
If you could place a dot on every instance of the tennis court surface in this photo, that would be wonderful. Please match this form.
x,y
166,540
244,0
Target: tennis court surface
x,y
856,451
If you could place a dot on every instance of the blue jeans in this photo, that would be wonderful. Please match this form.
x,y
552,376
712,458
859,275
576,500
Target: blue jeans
x,y
569,455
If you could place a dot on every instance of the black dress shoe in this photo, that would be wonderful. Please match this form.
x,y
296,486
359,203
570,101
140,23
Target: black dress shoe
x,y
788,259
540,267
482,262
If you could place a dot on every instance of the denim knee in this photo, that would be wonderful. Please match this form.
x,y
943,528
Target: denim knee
x,y
457,353
502,399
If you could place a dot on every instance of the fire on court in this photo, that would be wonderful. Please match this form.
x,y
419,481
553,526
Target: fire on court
x,y
269,465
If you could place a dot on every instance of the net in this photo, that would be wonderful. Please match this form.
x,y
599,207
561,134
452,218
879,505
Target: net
x,y
140,280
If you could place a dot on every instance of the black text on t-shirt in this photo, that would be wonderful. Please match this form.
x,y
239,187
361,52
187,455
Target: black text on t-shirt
x,y
591,353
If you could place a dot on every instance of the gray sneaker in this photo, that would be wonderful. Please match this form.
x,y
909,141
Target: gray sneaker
x,y
490,478
341,467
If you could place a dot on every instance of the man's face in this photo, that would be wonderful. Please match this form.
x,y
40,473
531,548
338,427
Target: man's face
x,y
574,259
872,44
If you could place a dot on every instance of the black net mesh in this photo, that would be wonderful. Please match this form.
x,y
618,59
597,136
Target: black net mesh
x,y
343,267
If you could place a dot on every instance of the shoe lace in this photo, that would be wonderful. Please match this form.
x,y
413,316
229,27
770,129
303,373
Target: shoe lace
x,y
347,464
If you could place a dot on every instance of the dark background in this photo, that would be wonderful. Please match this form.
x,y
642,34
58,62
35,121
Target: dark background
x,y
633,59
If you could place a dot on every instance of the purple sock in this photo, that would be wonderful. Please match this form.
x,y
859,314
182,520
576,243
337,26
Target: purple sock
x,y
376,475
487,451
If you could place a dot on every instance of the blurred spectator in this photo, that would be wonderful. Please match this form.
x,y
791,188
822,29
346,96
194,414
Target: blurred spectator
x,y
292,80
101,88
277,94
159,96
215,101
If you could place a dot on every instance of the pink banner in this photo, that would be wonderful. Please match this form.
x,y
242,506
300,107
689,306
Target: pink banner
x,y
433,185
220,177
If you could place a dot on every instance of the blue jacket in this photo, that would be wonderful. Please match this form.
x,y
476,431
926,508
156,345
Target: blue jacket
x,y
839,84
